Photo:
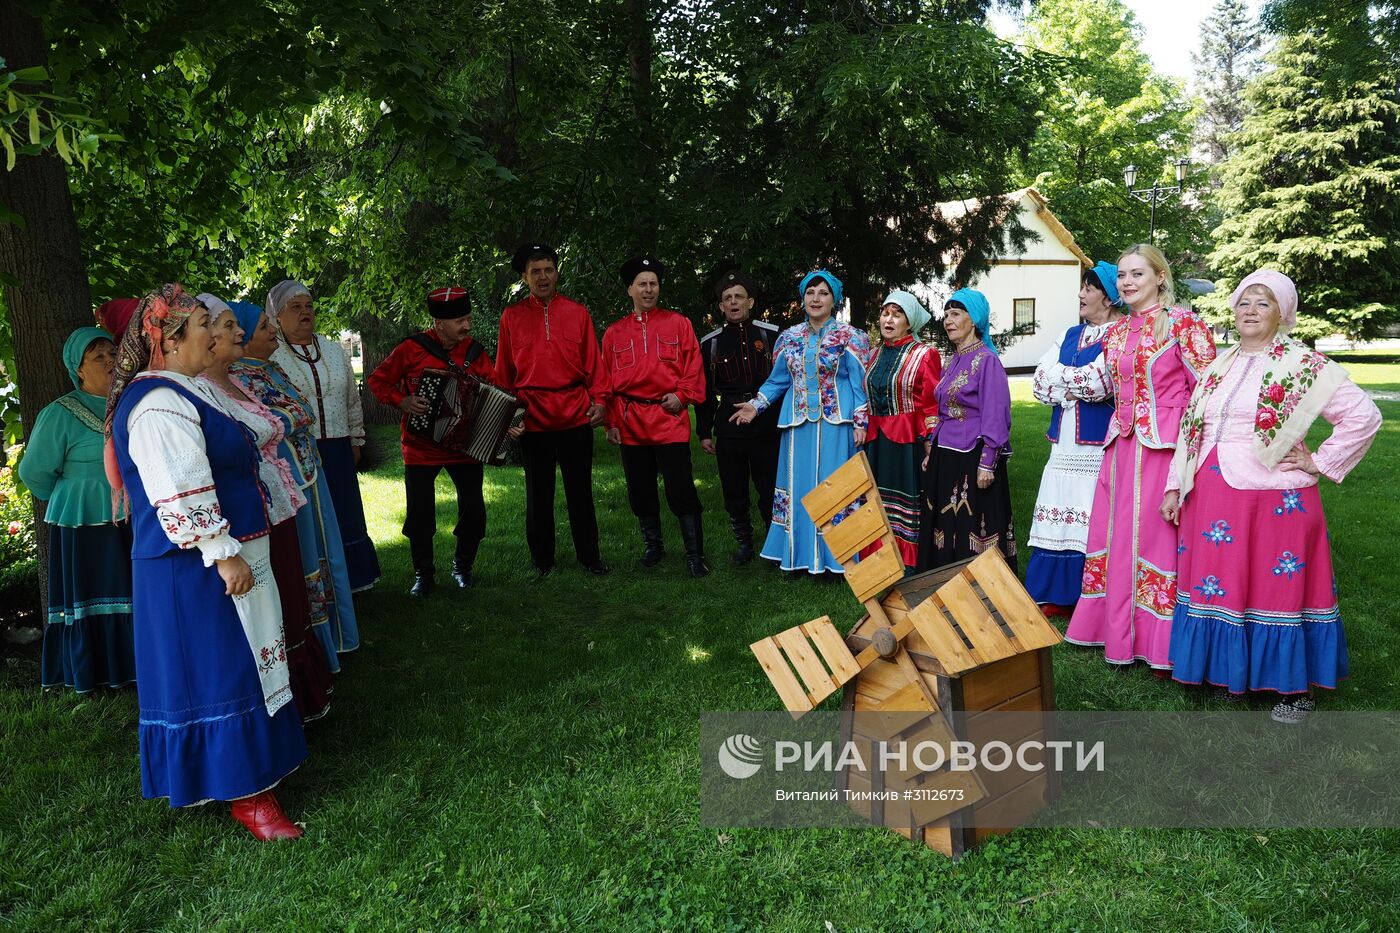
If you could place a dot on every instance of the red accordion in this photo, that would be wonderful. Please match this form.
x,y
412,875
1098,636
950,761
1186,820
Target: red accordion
x,y
466,414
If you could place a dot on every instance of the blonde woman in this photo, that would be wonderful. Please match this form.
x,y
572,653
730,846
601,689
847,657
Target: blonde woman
x,y
1154,356
1256,608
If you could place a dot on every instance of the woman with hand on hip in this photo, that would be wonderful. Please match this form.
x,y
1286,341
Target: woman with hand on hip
x,y
1154,356
819,379
1256,605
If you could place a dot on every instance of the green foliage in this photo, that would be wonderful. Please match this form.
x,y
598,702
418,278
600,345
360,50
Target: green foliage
x,y
1225,62
33,120
1111,111
1314,188
18,548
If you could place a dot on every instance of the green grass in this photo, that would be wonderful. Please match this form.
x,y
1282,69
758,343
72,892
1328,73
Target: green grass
x,y
525,757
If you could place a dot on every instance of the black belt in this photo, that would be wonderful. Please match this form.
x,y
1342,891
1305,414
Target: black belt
x,y
638,400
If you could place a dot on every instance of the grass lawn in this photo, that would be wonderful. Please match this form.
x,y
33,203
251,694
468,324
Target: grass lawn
x,y
525,757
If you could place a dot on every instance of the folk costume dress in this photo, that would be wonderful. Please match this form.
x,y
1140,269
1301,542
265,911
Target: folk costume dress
x,y
1072,377
818,379
1256,602
217,721
971,431
307,664
1128,594
87,635
547,354
324,572
902,388
321,372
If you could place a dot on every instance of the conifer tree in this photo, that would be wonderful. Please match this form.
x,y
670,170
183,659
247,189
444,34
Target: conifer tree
x,y
1313,187
1225,63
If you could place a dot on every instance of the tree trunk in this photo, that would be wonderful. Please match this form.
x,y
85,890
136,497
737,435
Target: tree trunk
x,y
46,284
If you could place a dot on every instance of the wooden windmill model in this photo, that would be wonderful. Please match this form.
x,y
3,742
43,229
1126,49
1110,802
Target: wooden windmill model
x,y
961,639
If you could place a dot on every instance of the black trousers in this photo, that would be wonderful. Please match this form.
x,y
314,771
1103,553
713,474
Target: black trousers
x,y
742,460
641,464
420,521
572,451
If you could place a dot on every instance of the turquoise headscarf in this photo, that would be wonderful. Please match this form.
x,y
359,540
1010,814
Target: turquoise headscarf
x,y
248,315
977,308
917,314
1107,275
832,281
76,345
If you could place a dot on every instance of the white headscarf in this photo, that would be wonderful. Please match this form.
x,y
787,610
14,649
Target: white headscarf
x,y
279,295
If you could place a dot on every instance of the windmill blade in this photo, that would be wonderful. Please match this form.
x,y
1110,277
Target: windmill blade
x,y
793,660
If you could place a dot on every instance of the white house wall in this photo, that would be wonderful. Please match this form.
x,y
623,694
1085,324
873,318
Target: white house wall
x,y
1055,288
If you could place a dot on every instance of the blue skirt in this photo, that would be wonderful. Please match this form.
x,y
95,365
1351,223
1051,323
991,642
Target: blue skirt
x,y
327,579
204,730
338,468
1055,577
87,638
807,455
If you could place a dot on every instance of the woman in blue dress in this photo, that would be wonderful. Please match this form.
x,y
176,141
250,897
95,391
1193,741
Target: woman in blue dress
x,y
216,719
819,378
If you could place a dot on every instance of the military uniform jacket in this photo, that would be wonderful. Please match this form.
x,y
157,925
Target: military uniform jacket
x,y
737,359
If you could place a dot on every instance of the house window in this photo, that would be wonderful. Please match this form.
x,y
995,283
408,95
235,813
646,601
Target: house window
x,y
1023,312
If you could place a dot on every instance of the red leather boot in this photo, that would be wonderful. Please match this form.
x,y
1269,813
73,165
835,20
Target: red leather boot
x,y
264,818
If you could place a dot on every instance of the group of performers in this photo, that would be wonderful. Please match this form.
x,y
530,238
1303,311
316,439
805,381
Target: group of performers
x,y
203,504
1179,521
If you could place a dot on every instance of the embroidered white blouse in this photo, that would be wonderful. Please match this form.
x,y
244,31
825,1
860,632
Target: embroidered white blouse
x,y
167,446
284,495
321,372
1055,383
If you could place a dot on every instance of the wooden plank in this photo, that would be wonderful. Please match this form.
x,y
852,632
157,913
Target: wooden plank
x,y
941,639
780,675
864,526
906,664
884,674
832,649
1013,808
938,837
925,809
850,481
958,599
869,655
999,783
1013,603
985,687
799,651
875,573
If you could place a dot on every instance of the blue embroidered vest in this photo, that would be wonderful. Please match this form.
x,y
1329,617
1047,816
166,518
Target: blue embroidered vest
x,y
1091,421
233,458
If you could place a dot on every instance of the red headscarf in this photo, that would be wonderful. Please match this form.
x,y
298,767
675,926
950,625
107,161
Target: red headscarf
x,y
114,315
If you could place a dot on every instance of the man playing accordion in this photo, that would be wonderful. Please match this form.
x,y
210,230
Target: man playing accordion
x,y
399,381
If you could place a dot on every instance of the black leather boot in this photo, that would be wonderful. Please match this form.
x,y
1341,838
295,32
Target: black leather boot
x,y
422,556
462,566
743,536
694,538
652,548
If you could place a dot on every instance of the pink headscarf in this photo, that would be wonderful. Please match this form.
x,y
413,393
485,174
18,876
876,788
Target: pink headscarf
x,y
1282,287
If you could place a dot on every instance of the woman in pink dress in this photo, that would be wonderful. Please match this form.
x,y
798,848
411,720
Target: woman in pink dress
x,y
1155,356
1256,608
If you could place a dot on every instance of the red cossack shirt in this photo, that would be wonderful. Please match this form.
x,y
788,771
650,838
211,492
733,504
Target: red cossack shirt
x,y
548,355
645,358
397,378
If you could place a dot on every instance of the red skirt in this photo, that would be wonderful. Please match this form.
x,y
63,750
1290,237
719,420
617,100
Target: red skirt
x,y
306,660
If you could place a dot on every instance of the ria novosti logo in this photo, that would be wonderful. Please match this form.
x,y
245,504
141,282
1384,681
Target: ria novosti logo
x,y
740,756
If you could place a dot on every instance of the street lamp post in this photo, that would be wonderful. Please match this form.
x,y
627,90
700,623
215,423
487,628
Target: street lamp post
x,y
1155,195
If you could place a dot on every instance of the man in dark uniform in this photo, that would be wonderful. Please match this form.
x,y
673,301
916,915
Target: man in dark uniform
x,y
737,359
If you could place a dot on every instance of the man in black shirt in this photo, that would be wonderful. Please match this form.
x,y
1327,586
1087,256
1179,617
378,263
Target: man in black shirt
x,y
737,359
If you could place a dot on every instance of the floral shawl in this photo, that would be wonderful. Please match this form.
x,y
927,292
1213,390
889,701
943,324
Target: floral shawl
x,y
1296,387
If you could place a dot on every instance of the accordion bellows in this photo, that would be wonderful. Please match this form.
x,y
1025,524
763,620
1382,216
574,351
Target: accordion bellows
x,y
466,414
